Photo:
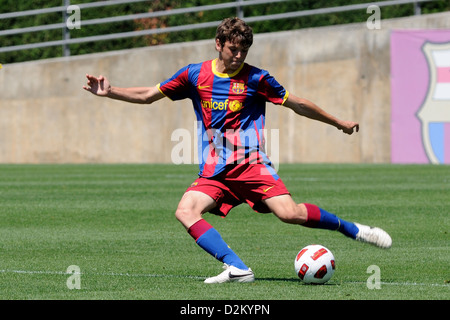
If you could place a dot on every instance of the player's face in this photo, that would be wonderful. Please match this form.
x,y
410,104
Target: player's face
x,y
232,55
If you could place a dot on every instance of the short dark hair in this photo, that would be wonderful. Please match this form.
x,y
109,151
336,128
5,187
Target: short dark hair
x,y
236,31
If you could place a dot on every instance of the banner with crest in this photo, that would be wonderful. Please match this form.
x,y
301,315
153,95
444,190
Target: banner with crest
x,y
420,96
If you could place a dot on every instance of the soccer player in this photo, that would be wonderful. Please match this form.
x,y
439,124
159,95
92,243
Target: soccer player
x,y
229,97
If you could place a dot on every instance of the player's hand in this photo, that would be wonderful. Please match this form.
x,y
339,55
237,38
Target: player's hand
x,y
349,127
99,86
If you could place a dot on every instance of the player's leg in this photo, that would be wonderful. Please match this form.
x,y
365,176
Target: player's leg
x,y
189,212
310,215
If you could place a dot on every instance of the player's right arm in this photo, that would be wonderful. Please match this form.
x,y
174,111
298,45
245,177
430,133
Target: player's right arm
x,y
100,86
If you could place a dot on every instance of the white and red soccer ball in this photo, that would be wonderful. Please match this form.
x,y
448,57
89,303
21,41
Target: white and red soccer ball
x,y
315,264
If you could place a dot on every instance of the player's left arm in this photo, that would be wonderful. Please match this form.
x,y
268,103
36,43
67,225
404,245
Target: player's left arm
x,y
310,110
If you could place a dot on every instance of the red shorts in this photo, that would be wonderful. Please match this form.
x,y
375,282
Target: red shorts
x,y
250,183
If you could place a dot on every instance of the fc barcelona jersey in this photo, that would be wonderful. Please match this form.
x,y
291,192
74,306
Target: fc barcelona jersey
x,y
230,111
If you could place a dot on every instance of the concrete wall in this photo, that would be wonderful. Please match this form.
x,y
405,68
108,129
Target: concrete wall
x,y
46,117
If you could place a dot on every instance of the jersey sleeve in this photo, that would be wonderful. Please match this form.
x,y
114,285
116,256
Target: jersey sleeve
x,y
177,86
271,90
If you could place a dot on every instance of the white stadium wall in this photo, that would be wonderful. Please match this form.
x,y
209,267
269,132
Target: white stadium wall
x,y
46,116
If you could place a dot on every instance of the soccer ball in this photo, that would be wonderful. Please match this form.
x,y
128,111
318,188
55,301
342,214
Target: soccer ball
x,y
314,264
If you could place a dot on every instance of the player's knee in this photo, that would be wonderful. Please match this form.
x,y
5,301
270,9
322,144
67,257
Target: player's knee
x,y
182,213
185,215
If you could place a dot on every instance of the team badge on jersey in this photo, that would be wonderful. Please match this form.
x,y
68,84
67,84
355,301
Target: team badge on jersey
x,y
238,87
435,110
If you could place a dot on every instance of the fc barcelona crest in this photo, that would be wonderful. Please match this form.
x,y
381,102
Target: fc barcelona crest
x,y
238,87
434,113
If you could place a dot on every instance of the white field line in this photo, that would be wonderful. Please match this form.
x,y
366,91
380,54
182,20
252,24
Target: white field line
x,y
107,274
143,275
411,284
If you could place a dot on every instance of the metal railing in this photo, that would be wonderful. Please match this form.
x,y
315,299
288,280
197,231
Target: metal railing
x,y
65,25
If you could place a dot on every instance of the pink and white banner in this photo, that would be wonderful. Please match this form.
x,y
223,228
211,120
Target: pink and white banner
x,y
420,96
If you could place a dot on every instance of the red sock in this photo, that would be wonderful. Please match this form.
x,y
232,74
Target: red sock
x,y
313,215
199,228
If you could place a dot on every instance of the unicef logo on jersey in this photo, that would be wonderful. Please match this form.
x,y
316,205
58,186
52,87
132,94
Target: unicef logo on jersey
x,y
233,105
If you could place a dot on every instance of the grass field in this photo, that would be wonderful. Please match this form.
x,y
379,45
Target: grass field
x,y
117,224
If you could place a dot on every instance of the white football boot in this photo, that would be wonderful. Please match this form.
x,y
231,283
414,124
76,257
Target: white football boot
x,y
232,274
373,235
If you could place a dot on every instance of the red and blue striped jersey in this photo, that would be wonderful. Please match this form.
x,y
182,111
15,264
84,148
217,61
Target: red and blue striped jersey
x,y
230,111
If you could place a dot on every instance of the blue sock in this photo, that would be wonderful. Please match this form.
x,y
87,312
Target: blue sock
x,y
319,218
210,240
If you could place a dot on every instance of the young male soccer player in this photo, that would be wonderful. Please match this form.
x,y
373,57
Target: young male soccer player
x,y
229,98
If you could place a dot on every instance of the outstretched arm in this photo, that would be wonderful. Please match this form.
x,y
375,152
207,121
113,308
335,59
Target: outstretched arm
x,y
308,109
100,86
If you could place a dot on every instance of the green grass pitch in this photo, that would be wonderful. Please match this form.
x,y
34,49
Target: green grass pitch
x,y
117,224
